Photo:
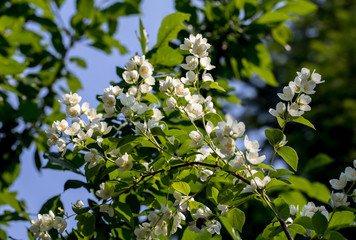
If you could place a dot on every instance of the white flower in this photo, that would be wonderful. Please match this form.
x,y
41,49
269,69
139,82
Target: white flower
x,y
237,163
202,212
61,126
190,78
161,229
209,127
62,146
303,102
191,63
279,111
304,74
145,88
73,111
132,91
150,81
197,226
200,47
107,208
316,77
130,76
188,42
228,147
144,232
224,209
85,108
256,182
92,157
179,89
46,220
204,174
79,204
354,162
194,110
205,152
309,210
60,223
251,146
165,212
205,63
353,195
350,174
35,227
109,100
113,90
71,99
103,128
177,218
294,110
93,116
127,100
124,163
157,114
164,86
197,138
140,128
130,65
146,70
105,191
339,199
339,184
307,86
139,108
207,77
213,226
182,201
171,104
254,158
293,210
287,95
152,123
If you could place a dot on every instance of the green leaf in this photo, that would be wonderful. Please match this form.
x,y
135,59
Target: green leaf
x,y
143,38
167,56
212,84
273,17
190,235
299,7
9,198
315,190
225,196
52,204
282,34
80,210
320,223
73,82
234,234
124,212
214,118
10,66
282,208
79,61
317,163
151,98
74,184
236,218
336,236
304,121
182,187
341,219
57,159
298,229
157,131
304,221
86,224
213,193
274,136
280,172
170,27
29,110
290,156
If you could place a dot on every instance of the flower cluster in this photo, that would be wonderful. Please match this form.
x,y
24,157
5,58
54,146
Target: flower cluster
x,y
297,95
61,133
46,222
340,198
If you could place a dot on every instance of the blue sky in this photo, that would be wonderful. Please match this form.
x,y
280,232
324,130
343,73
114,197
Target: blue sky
x,y
36,188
